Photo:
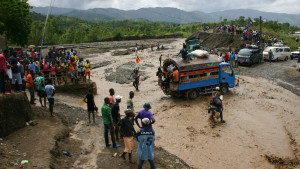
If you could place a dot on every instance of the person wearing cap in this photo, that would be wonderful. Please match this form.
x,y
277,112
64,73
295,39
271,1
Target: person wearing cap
x,y
145,137
108,123
115,112
145,114
127,130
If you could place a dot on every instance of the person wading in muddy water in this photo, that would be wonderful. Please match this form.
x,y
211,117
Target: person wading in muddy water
x,y
128,132
217,102
136,76
91,106
108,123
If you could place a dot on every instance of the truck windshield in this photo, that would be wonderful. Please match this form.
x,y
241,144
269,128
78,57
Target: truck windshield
x,y
227,69
244,52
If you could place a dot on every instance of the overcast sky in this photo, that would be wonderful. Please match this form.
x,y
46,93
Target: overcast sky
x,y
279,6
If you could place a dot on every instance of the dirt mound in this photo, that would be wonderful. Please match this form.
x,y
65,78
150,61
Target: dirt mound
x,y
217,40
122,73
15,111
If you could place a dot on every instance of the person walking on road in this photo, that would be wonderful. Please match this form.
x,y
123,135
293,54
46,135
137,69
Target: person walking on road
x,y
50,91
91,106
108,124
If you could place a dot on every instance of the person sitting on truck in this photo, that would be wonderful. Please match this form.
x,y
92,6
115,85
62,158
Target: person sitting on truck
x,y
175,77
183,52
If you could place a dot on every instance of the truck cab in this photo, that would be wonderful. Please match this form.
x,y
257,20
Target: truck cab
x,y
226,76
193,44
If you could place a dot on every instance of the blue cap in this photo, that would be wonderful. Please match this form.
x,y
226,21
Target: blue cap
x,y
147,106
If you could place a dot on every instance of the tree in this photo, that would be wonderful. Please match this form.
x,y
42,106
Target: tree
x,y
15,20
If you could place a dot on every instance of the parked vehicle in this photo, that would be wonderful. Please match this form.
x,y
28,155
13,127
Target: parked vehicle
x,y
296,53
200,76
280,52
249,56
193,44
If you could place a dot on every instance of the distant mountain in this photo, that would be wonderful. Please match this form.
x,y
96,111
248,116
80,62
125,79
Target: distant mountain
x,y
280,17
167,14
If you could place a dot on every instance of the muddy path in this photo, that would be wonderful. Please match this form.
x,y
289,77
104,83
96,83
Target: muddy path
x,y
282,73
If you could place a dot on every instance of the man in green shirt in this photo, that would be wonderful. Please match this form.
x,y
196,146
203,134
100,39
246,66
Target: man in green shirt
x,y
108,123
41,88
131,106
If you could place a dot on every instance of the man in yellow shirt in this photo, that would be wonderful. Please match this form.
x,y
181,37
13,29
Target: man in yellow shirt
x,y
87,66
75,57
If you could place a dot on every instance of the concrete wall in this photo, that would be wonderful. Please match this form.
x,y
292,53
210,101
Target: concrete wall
x,y
14,113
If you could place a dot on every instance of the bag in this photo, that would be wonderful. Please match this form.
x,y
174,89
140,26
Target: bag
x,y
217,101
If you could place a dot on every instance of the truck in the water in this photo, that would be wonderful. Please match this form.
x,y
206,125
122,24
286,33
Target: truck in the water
x,y
200,76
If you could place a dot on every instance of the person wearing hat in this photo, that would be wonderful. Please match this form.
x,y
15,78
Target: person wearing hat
x,y
108,123
145,114
145,137
115,112
127,130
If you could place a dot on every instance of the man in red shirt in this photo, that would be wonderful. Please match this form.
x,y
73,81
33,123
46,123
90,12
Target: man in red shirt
x,y
29,86
226,57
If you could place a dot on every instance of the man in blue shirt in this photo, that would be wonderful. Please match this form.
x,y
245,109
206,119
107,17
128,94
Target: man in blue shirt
x,y
145,137
15,71
50,91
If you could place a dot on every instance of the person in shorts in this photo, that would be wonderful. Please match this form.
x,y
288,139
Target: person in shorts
x,y
127,130
50,91
40,80
91,106
87,70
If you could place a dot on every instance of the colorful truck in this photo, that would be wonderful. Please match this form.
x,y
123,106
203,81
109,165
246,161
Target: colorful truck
x,y
200,76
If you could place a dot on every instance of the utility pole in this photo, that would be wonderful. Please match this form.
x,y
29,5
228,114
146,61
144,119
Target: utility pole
x,y
260,32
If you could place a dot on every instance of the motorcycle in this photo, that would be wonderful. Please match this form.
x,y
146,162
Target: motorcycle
x,y
215,115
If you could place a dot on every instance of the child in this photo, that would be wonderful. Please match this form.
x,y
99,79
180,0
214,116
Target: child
x,y
128,132
89,100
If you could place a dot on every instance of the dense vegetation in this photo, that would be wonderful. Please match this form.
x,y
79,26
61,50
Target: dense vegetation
x,y
62,29
15,20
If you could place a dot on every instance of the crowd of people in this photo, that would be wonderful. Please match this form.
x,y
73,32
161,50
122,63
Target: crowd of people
x,y
122,129
59,65
247,32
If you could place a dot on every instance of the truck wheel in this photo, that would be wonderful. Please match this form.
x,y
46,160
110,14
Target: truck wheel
x,y
193,94
224,88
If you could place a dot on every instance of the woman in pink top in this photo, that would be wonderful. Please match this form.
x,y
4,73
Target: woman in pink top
x,y
53,72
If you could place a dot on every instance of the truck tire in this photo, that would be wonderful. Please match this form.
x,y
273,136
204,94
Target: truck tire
x,y
193,94
224,88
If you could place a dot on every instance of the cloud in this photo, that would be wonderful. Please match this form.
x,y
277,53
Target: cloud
x,y
279,6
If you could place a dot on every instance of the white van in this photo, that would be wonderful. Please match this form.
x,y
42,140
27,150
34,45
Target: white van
x,y
279,53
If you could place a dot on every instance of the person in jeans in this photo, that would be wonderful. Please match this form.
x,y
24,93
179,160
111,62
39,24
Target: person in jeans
x,y
145,137
3,70
15,71
108,123
50,91
30,86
